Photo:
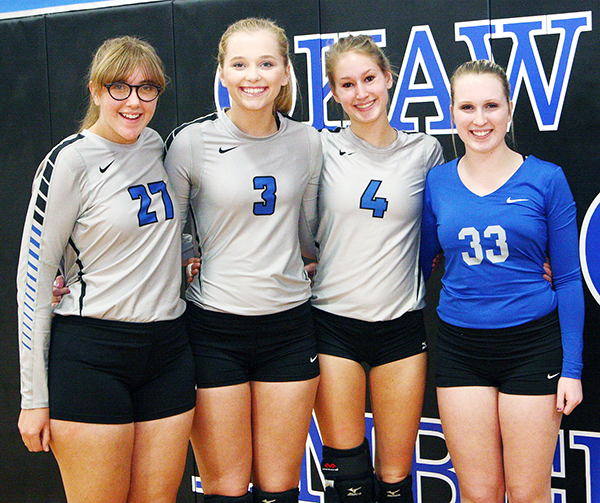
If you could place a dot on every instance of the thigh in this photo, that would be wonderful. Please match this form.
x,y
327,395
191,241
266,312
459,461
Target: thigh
x,y
281,416
159,455
340,404
222,439
471,427
529,426
94,460
397,391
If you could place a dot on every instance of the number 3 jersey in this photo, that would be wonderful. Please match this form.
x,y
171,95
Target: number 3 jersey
x,y
250,200
101,212
370,205
495,246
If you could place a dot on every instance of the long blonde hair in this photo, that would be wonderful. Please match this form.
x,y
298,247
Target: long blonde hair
x,y
117,59
284,100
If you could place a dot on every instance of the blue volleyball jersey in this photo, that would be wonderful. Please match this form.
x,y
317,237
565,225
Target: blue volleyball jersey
x,y
495,246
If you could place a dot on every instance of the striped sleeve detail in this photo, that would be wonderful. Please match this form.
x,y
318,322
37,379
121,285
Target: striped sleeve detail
x,y
35,239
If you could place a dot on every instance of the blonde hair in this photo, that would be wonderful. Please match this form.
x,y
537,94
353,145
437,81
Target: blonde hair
x,y
116,60
284,100
481,67
362,44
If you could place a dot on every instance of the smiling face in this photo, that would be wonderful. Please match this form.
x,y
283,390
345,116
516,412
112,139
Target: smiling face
x,y
361,87
122,121
481,111
253,71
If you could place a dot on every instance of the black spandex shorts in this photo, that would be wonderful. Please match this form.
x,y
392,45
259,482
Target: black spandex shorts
x,y
521,360
232,349
372,342
113,372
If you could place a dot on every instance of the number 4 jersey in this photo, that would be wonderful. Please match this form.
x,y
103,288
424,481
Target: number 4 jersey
x,y
370,204
495,246
102,213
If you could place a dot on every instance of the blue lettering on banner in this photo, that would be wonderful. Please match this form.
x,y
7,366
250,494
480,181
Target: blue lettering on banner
x,y
422,61
525,64
589,248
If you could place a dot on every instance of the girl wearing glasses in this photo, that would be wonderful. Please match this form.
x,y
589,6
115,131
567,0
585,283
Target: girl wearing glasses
x,y
107,376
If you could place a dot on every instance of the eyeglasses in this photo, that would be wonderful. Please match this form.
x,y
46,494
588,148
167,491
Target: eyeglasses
x,y
120,91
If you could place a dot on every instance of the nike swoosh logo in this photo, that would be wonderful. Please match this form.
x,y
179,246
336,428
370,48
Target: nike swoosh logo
x,y
344,153
225,150
510,200
107,166
552,376
313,359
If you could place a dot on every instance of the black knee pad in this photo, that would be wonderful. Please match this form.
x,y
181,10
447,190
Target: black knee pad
x,y
348,473
400,492
290,496
218,498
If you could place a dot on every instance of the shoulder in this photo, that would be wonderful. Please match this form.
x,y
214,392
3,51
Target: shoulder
x,y
189,128
544,167
441,171
427,143
296,129
67,147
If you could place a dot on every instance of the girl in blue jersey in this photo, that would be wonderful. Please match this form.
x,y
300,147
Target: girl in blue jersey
x,y
506,368
249,175
107,376
368,291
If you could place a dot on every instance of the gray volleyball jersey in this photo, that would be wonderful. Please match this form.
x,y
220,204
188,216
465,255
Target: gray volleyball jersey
x,y
102,213
251,199
370,204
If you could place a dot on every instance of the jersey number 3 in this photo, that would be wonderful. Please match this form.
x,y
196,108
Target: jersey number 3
x,y
368,201
492,230
140,192
268,186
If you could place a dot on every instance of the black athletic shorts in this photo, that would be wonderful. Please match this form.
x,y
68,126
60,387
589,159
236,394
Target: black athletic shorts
x,y
521,360
113,372
372,342
232,349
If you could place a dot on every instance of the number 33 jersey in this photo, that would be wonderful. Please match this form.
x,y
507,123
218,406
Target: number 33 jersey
x,y
370,204
101,212
495,246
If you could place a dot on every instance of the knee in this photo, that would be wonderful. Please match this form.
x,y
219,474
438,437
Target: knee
x,y
528,494
482,493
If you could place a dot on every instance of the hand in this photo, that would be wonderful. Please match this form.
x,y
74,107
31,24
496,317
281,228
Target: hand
x,y
34,425
311,269
59,290
439,258
193,268
569,394
548,272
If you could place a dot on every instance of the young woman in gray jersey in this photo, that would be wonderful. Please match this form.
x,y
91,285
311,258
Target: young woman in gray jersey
x,y
250,177
107,376
368,289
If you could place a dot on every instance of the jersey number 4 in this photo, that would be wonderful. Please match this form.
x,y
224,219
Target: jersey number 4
x,y
368,201
492,230
268,186
140,192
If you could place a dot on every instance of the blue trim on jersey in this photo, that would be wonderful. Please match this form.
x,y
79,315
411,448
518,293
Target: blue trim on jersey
x,y
39,216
